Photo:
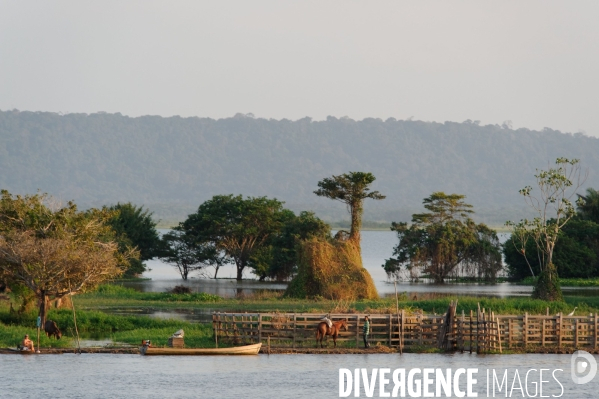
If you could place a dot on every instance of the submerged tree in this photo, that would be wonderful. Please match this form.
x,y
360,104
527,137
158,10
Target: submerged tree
x,y
553,208
56,252
187,254
236,226
439,241
352,189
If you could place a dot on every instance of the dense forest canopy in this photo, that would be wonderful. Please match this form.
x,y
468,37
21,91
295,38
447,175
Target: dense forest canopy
x,y
170,165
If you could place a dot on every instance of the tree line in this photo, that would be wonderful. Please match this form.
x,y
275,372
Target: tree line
x,y
52,250
98,159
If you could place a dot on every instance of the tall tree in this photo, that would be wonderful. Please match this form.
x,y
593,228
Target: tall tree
x,y
439,241
236,226
352,189
553,208
55,252
134,227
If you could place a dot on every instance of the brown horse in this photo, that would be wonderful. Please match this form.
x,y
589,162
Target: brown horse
x,y
323,330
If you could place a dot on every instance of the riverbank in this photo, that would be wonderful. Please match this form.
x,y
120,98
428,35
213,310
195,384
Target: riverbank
x,y
96,318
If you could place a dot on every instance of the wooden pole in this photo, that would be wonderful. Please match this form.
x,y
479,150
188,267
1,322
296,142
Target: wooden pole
x,y
470,330
499,336
75,322
399,323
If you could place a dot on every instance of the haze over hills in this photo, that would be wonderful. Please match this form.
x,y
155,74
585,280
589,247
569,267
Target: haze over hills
x,y
173,164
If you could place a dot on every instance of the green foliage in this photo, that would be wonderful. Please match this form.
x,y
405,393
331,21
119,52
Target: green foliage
x,y
188,253
548,287
352,189
12,335
553,208
278,258
55,251
120,292
440,241
588,205
197,335
576,252
134,228
257,233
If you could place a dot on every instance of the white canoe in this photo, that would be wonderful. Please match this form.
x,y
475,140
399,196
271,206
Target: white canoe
x,y
237,350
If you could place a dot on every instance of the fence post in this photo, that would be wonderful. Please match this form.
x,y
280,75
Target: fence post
x,y
576,332
390,331
595,335
525,328
260,327
559,330
357,331
294,328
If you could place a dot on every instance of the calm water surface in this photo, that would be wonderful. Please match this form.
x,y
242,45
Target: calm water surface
x,y
376,247
275,376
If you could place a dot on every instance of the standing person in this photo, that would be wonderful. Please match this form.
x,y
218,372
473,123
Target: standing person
x,y
366,331
27,343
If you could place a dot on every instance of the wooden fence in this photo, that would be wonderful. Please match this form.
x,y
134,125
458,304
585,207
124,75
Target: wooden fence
x,y
474,332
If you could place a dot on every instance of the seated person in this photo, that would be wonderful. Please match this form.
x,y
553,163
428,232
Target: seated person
x,y
27,344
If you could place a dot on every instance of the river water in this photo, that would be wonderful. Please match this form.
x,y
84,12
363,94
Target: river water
x,y
263,376
275,376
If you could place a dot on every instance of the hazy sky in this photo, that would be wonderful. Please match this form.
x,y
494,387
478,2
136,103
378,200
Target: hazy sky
x,y
535,63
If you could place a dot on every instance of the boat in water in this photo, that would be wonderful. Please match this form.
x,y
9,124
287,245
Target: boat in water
x,y
236,350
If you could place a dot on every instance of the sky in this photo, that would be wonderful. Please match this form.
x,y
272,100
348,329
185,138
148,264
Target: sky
x,y
534,63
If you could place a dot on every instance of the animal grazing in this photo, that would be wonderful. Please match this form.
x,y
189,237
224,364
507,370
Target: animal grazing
x,y
323,330
51,329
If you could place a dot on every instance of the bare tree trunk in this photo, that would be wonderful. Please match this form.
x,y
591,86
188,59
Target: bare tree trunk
x,y
356,224
43,311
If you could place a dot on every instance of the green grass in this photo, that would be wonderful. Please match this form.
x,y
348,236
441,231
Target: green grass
x,y
11,336
124,329
196,335
132,329
110,291
567,282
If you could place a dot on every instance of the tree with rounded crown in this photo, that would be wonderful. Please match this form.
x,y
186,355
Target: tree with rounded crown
x,y
553,206
443,239
352,189
56,251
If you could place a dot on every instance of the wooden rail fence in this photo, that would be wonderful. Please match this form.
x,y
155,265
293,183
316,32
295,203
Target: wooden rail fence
x,y
478,331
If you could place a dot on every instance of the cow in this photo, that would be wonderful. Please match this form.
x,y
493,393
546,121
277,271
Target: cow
x,y
51,329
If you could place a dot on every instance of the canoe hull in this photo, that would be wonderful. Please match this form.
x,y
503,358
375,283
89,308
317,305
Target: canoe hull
x,y
238,350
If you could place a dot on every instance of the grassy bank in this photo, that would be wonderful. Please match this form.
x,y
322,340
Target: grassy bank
x,y
567,282
125,329
93,315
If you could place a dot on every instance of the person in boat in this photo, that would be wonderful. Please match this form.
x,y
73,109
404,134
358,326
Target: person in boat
x,y
366,331
327,320
27,344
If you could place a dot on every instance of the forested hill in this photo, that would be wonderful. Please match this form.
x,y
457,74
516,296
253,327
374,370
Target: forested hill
x,y
173,164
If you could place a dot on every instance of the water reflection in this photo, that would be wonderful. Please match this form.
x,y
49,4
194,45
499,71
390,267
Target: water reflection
x,y
376,247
